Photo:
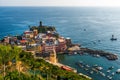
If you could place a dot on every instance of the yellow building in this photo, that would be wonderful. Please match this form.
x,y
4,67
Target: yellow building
x,y
53,57
39,48
28,34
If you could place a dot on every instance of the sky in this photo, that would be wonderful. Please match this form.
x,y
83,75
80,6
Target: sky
x,y
108,3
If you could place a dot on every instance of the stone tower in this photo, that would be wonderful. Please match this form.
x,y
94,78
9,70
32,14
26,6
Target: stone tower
x,y
40,23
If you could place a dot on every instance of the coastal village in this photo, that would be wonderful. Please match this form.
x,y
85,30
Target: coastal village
x,y
44,42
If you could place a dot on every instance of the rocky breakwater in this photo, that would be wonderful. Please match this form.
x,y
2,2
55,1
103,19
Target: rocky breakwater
x,y
108,55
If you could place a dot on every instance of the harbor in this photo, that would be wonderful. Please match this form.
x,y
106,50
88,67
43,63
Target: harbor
x,y
94,69
44,42
66,67
76,49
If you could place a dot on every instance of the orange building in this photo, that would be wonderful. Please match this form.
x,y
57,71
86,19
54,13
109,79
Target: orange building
x,y
23,41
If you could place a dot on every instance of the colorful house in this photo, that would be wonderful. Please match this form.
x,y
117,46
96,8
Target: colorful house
x,y
28,34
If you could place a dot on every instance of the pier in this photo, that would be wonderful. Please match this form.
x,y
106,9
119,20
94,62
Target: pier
x,y
108,55
80,50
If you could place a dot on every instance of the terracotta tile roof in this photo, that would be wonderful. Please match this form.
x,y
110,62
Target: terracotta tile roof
x,y
23,41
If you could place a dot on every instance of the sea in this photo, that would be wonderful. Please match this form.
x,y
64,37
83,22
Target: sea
x,y
91,27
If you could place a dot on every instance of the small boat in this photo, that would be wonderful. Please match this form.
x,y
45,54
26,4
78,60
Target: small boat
x,y
110,68
113,73
75,52
80,64
96,55
85,69
99,68
118,71
113,39
108,71
95,70
103,74
109,77
91,72
87,66
95,65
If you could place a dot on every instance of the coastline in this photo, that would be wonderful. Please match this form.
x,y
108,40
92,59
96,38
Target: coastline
x,y
101,53
60,65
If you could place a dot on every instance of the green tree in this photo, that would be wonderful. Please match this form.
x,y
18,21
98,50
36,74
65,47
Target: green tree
x,y
6,56
16,51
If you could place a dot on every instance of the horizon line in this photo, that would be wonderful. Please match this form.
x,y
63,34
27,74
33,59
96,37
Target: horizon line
x,y
61,6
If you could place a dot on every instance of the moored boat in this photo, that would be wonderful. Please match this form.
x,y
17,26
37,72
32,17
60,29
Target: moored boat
x,y
75,52
87,66
118,71
99,68
95,65
96,55
113,73
109,77
111,67
95,70
108,71
103,74
80,64
91,72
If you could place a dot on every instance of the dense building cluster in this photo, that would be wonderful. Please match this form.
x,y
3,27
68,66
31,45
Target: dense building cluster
x,y
39,36
40,39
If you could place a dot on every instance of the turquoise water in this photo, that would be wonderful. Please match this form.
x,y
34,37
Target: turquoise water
x,y
90,60
100,24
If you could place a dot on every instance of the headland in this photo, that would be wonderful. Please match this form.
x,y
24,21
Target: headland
x,y
45,42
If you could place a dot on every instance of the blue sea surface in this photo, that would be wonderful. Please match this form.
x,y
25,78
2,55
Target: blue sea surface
x,y
86,26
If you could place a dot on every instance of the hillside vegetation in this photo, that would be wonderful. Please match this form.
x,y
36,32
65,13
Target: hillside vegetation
x,y
16,64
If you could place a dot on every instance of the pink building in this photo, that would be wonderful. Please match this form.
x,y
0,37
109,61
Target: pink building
x,y
61,47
